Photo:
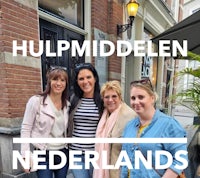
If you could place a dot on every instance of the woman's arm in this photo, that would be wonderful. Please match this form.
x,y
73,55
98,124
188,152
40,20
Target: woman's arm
x,y
30,113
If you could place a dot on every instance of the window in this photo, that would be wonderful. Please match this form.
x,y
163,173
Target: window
x,y
68,10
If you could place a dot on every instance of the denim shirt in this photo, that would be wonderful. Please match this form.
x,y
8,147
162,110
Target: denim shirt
x,y
162,126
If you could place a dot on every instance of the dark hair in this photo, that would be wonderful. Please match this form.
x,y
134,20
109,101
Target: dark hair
x,y
54,73
77,90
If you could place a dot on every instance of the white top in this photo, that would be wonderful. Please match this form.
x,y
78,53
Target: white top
x,y
58,128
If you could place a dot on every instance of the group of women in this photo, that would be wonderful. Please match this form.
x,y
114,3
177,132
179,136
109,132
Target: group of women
x,y
91,113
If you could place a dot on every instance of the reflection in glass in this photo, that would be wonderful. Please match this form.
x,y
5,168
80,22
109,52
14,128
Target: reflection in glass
x,y
68,10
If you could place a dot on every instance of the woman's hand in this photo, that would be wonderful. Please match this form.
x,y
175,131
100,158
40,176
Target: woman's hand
x,y
27,170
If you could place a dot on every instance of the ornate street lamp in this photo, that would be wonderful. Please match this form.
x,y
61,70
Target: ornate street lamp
x,y
132,8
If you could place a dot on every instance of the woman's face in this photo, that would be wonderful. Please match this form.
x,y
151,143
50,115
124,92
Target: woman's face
x,y
141,101
58,85
111,100
86,82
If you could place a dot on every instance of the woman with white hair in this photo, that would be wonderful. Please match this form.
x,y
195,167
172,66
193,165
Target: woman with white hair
x,y
115,116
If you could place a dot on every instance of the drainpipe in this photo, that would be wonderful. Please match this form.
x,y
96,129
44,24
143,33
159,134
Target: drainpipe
x,y
171,86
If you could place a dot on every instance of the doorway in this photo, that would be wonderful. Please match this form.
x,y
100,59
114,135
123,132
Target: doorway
x,y
53,33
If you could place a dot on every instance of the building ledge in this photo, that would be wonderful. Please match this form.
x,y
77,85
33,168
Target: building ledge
x,y
10,131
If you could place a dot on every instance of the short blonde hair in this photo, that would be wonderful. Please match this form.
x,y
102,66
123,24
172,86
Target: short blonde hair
x,y
112,85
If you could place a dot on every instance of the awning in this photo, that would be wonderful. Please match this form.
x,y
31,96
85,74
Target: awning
x,y
187,29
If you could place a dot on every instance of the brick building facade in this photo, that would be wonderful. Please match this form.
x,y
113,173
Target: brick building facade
x,y
18,80
23,76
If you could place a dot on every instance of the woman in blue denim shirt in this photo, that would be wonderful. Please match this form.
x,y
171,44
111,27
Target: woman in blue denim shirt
x,y
151,123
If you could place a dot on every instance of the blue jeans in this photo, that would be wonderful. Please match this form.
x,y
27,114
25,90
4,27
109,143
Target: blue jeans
x,y
58,173
82,173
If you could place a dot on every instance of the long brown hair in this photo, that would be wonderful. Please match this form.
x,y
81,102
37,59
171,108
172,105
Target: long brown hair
x,y
54,74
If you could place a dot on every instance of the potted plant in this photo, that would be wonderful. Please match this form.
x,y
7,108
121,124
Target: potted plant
x,y
190,97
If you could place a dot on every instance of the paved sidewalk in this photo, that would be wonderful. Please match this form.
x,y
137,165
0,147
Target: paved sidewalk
x,y
70,175
185,117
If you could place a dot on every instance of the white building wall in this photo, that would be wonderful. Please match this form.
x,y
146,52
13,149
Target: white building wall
x,y
155,17
190,6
